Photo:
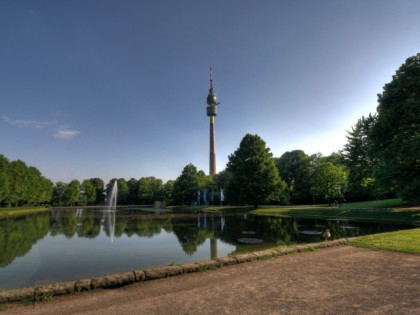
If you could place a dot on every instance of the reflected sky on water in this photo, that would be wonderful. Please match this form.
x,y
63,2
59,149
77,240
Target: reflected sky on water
x,y
82,243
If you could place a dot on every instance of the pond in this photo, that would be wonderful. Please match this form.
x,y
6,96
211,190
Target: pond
x,y
71,244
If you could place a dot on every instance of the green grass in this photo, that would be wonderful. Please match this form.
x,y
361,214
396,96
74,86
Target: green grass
x,y
375,204
389,209
407,241
16,211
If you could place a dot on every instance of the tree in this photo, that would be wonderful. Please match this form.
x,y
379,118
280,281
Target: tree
x,y
18,183
88,193
58,194
294,169
395,134
336,158
168,190
122,191
71,194
255,178
328,181
34,185
186,185
4,178
99,188
46,191
145,195
222,178
359,161
133,191
156,185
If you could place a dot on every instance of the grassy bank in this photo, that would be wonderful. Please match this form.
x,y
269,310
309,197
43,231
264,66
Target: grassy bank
x,y
407,241
390,209
16,211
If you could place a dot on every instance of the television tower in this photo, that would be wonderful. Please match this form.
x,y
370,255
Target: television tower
x,y
212,112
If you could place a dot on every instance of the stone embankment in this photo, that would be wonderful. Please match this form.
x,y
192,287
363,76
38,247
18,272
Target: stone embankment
x,y
116,280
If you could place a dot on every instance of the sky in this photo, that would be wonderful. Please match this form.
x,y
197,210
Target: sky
x,y
117,88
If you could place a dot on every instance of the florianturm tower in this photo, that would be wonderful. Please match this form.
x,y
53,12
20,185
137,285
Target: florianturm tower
x,y
212,112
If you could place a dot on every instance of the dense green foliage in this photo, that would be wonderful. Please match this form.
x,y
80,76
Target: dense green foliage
x,y
359,161
186,185
88,193
294,169
313,178
22,185
395,135
254,176
189,188
382,153
327,181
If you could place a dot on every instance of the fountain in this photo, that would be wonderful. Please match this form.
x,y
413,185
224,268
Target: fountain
x,y
110,214
112,196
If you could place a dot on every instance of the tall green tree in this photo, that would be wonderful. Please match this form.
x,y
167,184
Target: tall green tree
x,y
87,193
186,185
58,194
255,178
156,185
145,194
18,183
395,135
71,194
122,196
359,161
294,169
100,190
168,189
328,181
133,191
34,189
46,194
4,178
150,189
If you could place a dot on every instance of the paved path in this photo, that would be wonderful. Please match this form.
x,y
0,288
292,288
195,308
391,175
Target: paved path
x,y
339,280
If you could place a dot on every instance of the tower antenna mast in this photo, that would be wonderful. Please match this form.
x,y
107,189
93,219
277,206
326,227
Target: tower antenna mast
x,y
212,113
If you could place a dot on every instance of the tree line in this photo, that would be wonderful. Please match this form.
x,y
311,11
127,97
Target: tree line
x,y
93,191
380,159
23,185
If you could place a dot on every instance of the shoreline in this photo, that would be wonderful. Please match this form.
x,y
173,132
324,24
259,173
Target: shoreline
x,y
47,291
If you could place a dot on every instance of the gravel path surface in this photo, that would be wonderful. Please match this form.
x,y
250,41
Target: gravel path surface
x,y
338,280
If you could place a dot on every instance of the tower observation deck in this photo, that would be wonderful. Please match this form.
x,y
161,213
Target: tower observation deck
x,y
212,112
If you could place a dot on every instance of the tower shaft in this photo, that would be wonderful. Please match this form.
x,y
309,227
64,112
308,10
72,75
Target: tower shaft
x,y
212,112
212,147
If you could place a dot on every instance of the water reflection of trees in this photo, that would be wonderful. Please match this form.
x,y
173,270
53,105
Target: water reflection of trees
x,y
90,225
18,235
190,236
277,231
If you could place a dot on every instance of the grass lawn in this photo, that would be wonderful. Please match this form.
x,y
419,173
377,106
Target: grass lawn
x,y
407,241
389,209
16,211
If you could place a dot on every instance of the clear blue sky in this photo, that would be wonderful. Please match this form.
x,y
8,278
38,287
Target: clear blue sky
x,y
107,88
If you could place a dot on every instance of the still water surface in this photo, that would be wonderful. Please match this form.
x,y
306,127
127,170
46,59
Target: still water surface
x,y
82,243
